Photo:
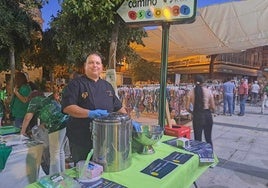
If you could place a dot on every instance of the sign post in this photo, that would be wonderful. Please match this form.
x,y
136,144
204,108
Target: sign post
x,y
140,13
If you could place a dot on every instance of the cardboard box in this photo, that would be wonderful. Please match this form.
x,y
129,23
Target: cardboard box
x,y
178,131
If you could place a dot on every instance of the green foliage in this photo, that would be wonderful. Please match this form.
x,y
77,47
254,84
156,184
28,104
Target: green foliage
x,y
86,25
16,29
94,9
45,53
16,25
4,65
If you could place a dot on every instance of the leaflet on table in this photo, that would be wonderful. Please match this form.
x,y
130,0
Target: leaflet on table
x,y
58,180
101,183
178,158
172,142
62,180
203,149
159,168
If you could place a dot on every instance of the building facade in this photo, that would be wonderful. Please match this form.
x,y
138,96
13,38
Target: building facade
x,y
252,63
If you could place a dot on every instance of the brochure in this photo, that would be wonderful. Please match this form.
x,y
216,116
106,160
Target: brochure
x,y
101,183
178,158
203,150
159,168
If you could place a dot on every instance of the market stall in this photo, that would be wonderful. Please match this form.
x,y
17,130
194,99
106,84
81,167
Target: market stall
x,y
181,174
147,98
23,164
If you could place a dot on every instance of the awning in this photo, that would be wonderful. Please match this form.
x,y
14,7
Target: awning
x,y
221,28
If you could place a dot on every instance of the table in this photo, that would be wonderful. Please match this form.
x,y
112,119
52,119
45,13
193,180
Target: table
x,y
22,166
181,177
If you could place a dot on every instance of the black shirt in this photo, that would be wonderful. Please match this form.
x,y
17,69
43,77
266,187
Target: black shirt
x,y
91,95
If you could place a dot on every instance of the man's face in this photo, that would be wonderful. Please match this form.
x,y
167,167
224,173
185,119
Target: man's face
x,y
93,66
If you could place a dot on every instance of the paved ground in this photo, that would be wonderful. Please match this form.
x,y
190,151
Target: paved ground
x,y
241,144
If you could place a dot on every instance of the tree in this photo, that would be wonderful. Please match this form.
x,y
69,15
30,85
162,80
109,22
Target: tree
x,y
46,55
90,25
16,32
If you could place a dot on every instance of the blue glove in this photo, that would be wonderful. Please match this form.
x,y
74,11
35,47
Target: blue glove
x,y
97,113
136,126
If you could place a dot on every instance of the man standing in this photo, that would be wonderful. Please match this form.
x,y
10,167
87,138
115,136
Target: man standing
x,y
255,88
85,98
264,98
228,96
243,95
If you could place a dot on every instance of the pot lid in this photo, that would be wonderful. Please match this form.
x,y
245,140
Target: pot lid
x,y
113,117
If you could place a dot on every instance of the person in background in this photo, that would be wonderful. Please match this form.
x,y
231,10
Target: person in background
x,y
172,116
235,95
19,102
85,98
264,98
57,96
228,96
243,95
51,130
31,84
203,103
255,89
2,103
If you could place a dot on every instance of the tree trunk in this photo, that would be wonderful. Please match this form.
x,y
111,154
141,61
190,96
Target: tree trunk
x,y
111,72
12,68
113,45
52,80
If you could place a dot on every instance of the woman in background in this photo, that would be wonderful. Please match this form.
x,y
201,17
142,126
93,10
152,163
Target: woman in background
x,y
203,102
19,102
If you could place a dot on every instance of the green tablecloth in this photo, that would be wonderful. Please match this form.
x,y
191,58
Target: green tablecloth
x,y
181,177
8,130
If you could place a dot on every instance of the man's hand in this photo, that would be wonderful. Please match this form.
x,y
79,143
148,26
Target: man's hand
x,y
136,126
97,113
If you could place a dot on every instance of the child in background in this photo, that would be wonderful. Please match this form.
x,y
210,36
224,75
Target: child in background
x,y
172,116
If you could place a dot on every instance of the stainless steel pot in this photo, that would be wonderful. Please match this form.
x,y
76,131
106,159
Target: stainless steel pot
x,y
112,137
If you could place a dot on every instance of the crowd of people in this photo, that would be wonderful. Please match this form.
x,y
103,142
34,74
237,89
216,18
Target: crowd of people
x,y
65,117
242,92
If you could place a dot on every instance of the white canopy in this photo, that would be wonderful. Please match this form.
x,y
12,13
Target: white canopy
x,y
222,28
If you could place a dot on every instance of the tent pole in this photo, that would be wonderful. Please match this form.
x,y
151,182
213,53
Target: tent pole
x,y
163,81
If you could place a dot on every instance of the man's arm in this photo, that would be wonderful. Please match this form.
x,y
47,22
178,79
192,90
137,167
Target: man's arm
x,y
76,111
122,110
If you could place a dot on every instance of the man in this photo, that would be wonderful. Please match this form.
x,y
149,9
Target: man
x,y
264,98
255,88
243,95
228,96
85,98
51,131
